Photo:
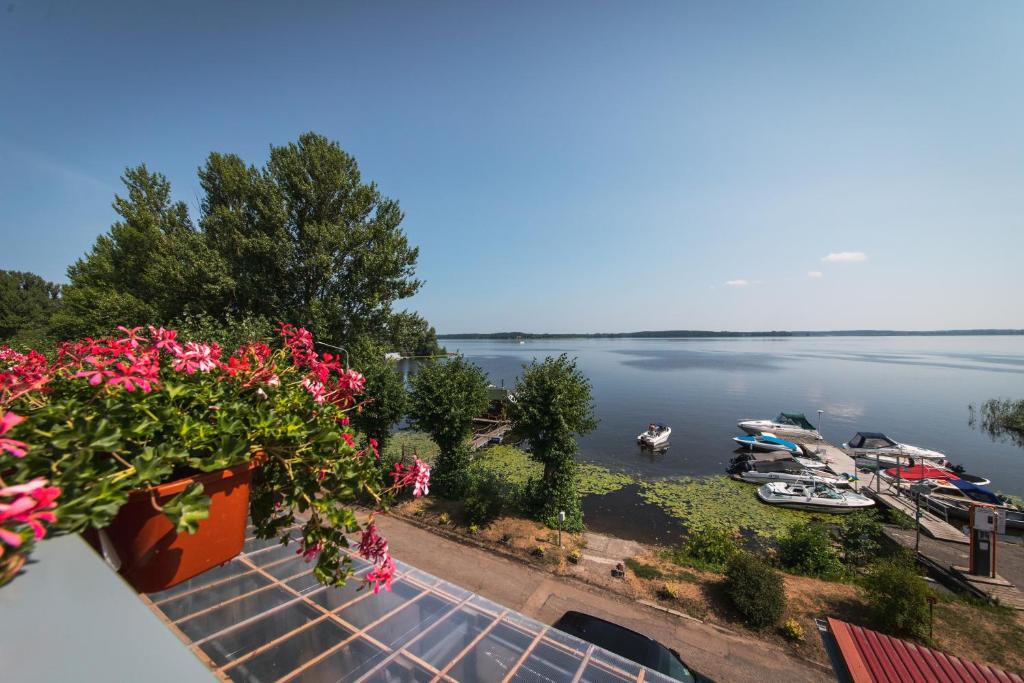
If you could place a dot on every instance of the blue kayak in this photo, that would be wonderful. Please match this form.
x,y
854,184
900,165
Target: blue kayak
x,y
766,442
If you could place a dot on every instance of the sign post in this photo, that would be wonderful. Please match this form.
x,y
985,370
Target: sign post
x,y
561,520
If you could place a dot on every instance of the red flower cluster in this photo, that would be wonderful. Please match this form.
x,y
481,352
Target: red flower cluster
x,y
416,475
375,549
29,504
15,448
26,373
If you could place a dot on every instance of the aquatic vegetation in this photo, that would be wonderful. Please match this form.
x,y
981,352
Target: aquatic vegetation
x,y
412,442
720,503
508,463
600,480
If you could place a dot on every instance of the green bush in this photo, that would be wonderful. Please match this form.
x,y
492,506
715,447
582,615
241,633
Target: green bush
x,y
898,597
706,549
860,536
808,549
485,499
756,590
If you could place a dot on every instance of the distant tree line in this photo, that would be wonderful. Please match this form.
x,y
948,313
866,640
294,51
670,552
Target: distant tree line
x,y
671,334
302,239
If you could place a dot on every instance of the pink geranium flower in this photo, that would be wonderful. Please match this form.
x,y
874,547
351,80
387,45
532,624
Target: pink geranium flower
x,y
12,446
31,505
196,357
382,575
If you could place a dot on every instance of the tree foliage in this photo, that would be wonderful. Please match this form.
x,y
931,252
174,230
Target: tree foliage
x,y
302,239
27,302
389,401
808,549
899,597
756,590
445,397
305,239
553,407
409,334
151,267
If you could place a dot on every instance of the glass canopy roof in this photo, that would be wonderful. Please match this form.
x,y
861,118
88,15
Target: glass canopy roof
x,y
264,617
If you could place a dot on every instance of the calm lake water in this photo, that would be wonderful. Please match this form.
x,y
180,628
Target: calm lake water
x,y
914,389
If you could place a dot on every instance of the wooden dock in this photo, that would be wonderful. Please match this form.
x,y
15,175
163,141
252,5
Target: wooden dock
x,y
933,526
486,430
839,462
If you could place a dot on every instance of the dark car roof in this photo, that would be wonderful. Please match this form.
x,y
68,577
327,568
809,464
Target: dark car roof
x,y
620,640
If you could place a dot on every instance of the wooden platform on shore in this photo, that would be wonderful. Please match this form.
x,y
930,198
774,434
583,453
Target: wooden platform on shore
x,y
932,525
495,429
839,462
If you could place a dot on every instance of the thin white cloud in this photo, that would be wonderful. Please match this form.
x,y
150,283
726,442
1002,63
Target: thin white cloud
x,y
736,283
815,274
845,257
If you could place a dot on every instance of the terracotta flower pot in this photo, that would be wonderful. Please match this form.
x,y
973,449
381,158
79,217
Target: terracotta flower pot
x,y
155,556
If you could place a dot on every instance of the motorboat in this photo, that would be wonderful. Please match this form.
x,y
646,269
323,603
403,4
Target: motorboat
x,y
954,497
812,497
777,456
782,470
791,425
766,442
873,449
656,435
910,475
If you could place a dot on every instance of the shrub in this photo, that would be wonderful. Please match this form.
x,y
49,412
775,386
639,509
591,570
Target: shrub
x,y
643,571
575,556
898,597
808,549
706,549
444,519
668,592
792,630
485,499
538,551
474,529
859,535
755,589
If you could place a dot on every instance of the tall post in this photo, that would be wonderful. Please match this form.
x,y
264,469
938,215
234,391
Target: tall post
x,y
561,519
917,519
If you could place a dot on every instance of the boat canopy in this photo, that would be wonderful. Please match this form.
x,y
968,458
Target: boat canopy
x,y
798,419
975,492
918,472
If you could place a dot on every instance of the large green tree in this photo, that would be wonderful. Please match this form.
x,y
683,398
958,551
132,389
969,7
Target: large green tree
x,y
152,266
409,334
445,397
553,407
27,302
306,240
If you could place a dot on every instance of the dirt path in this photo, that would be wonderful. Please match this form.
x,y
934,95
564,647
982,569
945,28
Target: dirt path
x,y
716,652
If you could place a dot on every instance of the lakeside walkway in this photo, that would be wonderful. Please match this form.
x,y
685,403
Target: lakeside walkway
x,y
713,651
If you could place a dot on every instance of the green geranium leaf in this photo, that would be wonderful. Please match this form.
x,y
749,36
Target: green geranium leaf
x,y
188,508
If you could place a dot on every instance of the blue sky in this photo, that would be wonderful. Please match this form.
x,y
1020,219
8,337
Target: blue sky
x,y
574,166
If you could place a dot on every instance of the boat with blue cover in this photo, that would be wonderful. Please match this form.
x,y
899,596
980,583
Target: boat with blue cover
x,y
766,442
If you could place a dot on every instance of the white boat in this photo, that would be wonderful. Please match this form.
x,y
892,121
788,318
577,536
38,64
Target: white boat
x,y
783,470
871,449
813,498
656,435
790,425
777,456
766,442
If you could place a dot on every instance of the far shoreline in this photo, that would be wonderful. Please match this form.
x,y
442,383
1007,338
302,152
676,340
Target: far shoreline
x,y
722,334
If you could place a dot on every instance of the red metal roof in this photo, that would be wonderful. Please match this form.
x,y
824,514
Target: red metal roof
x,y
873,657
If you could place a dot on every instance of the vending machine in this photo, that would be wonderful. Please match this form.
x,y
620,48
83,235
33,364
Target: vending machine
x,y
985,522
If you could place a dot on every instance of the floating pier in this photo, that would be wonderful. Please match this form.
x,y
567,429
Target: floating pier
x,y
486,430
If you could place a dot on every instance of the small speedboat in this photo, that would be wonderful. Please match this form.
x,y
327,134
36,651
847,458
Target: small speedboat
x,y
656,435
954,497
813,497
791,425
783,470
871,449
766,442
777,456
